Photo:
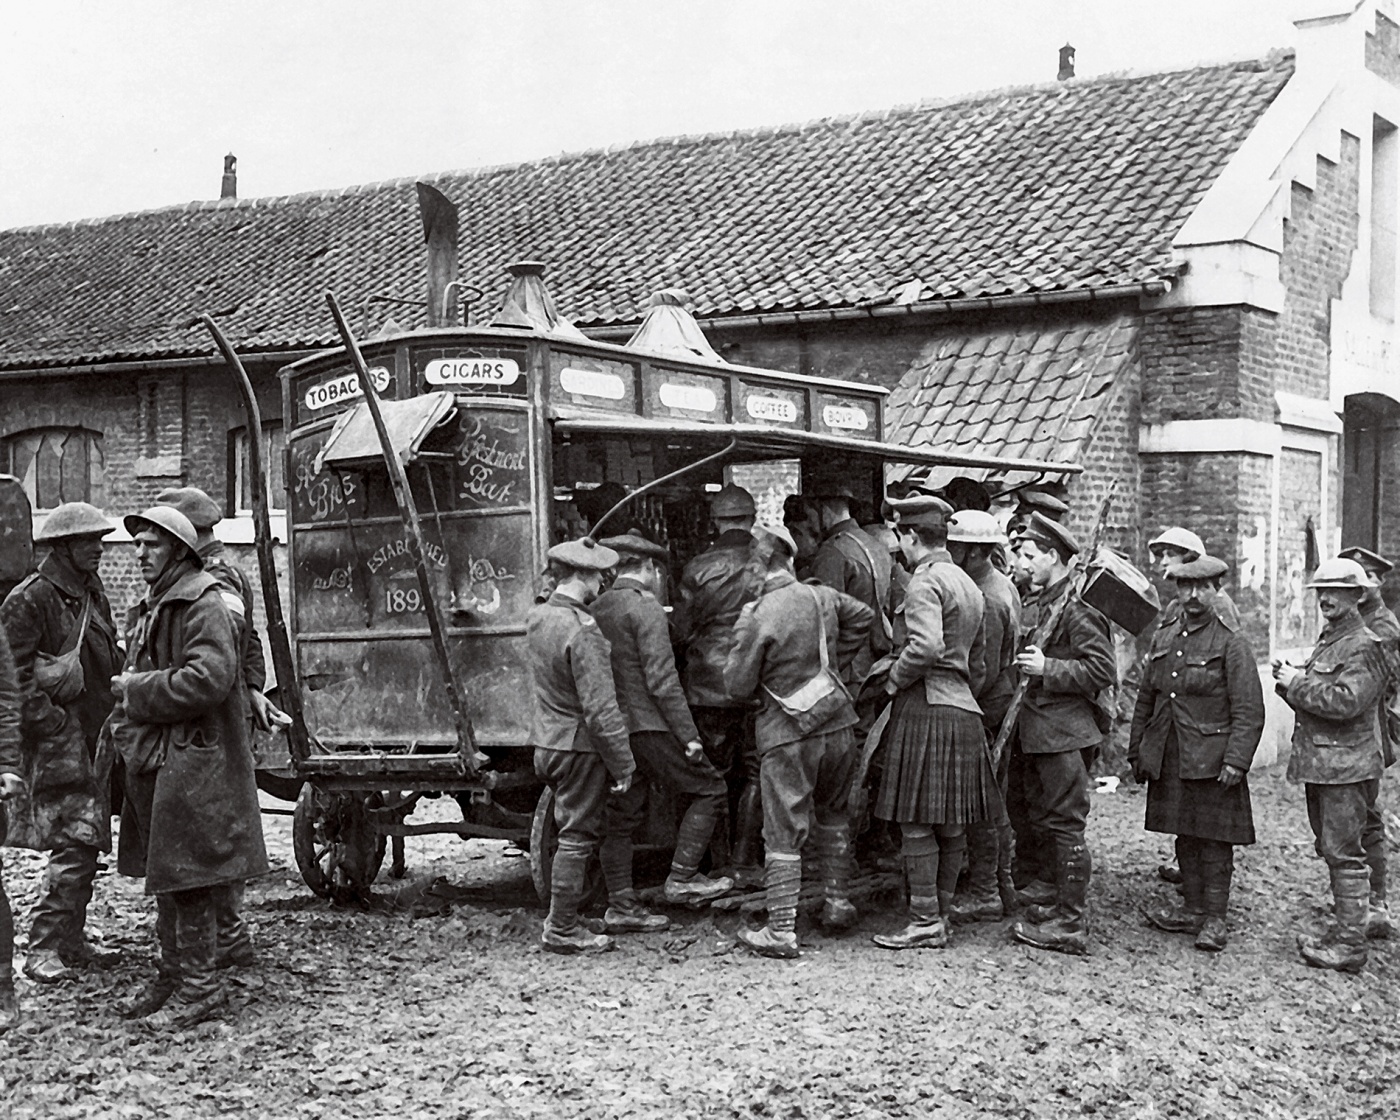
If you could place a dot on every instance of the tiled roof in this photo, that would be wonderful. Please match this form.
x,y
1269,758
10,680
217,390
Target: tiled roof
x,y
1030,391
1071,185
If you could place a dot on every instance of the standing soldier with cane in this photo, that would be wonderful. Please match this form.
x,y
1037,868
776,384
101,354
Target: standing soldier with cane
x,y
1337,753
60,629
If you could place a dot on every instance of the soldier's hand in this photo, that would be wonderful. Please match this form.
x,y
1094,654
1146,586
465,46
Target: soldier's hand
x,y
266,714
1230,776
1285,673
1031,661
120,683
891,688
622,785
11,785
694,750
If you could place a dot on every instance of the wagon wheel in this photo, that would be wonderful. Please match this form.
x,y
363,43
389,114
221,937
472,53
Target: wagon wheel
x,y
544,840
337,848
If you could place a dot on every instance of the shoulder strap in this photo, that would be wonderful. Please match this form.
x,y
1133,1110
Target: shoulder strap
x,y
821,629
882,591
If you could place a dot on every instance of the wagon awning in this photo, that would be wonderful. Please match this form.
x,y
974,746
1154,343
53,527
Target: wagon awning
x,y
794,443
353,441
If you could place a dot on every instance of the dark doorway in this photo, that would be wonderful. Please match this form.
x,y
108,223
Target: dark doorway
x,y
1368,437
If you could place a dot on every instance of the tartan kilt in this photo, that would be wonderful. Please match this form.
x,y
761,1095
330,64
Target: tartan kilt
x,y
1201,808
936,769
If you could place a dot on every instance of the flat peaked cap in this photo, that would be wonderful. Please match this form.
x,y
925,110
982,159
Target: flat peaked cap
x,y
1371,561
1183,540
585,553
194,503
973,526
732,501
74,519
1046,503
634,544
1051,534
921,511
1203,567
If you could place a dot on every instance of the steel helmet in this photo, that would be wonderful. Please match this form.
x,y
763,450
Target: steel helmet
x,y
1183,540
1341,572
169,519
74,519
973,526
768,536
732,501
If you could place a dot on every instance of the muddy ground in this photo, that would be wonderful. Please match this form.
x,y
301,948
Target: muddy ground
x,y
437,1002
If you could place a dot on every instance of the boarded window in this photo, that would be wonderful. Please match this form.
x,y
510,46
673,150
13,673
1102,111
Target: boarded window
x,y
240,488
57,465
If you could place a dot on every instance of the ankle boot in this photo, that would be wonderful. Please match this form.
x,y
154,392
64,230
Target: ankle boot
x,y
1189,915
1068,930
981,902
926,928
626,914
1378,921
783,885
563,932
834,851
1343,947
748,832
1217,866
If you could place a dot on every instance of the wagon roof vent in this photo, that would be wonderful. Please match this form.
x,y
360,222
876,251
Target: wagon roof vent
x,y
670,328
528,305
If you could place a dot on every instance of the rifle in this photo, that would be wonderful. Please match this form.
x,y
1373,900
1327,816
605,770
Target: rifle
x,y
1078,568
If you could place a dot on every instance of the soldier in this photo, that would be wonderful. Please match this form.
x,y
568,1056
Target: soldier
x,y
1337,753
60,629
1382,623
937,776
11,786
1058,732
1032,500
714,588
791,645
1175,546
972,538
581,744
1196,726
191,825
801,519
236,590
658,722
851,562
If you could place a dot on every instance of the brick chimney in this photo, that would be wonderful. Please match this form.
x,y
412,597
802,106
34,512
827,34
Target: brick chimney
x,y
1066,63
229,187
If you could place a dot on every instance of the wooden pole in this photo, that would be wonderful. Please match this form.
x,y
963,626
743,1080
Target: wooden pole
x,y
408,510
289,687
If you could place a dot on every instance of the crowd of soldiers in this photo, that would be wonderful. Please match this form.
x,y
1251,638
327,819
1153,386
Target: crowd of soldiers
x,y
790,647
157,727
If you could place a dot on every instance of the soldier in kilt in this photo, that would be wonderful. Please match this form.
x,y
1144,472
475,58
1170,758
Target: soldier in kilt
x,y
1199,716
937,775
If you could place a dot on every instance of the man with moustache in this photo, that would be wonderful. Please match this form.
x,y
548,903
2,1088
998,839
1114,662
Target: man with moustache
x,y
60,629
1338,755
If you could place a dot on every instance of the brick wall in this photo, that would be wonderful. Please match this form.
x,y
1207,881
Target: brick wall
x,y
1202,363
1319,238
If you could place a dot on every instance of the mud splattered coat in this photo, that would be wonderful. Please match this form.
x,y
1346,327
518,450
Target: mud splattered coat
x,y
196,817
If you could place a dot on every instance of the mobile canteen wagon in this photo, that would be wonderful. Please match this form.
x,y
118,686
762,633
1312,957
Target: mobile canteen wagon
x,y
502,432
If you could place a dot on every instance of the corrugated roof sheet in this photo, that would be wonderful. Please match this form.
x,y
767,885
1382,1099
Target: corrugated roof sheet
x,y
1032,391
1073,185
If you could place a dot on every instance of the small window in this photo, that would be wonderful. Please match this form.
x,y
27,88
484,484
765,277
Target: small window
x,y
57,465
240,490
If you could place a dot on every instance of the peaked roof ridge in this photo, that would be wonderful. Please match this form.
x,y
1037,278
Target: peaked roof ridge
x,y
1272,59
